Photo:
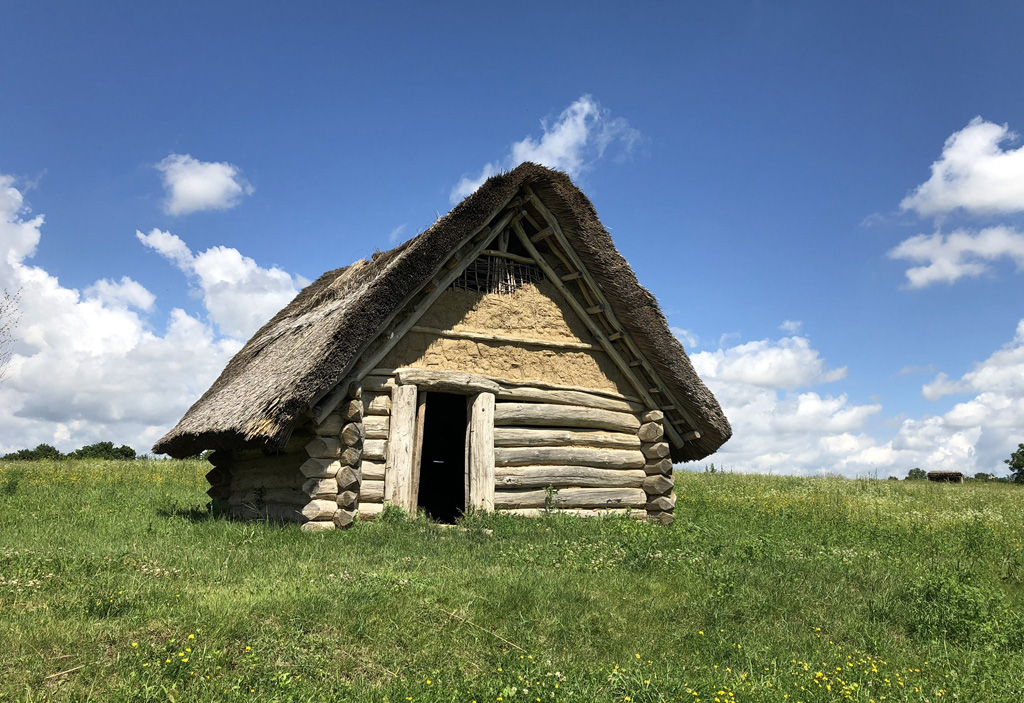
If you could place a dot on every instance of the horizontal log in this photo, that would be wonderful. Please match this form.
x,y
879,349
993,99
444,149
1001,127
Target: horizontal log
x,y
257,462
372,470
653,416
490,338
324,448
245,483
375,449
550,415
347,499
581,398
578,512
570,456
221,490
275,513
218,475
319,526
567,476
330,427
507,255
257,497
348,479
319,509
573,498
376,404
660,517
320,487
351,410
651,431
371,491
376,426
536,437
377,384
352,434
351,456
545,385
658,450
368,511
658,466
320,468
658,485
661,503
446,381
343,519
221,457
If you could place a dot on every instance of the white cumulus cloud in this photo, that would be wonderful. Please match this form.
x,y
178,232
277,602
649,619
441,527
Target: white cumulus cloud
x,y
580,135
194,185
87,366
962,254
784,426
974,173
239,295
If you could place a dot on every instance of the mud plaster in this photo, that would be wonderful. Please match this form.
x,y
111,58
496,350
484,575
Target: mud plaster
x,y
535,312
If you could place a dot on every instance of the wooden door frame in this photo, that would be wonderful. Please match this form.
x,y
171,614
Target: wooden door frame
x,y
405,438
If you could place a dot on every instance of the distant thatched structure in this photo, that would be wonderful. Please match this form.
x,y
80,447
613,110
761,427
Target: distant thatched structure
x,y
946,476
517,304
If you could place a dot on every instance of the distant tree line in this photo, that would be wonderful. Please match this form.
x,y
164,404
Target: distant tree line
x,y
100,450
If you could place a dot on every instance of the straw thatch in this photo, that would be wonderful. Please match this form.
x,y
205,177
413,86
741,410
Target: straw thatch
x,y
310,345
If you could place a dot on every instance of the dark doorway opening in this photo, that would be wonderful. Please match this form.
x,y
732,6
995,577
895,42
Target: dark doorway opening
x,y
442,492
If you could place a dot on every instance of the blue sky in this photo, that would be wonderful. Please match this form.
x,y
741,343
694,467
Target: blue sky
x,y
765,168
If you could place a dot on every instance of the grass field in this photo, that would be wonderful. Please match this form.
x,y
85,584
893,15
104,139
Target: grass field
x,y
116,584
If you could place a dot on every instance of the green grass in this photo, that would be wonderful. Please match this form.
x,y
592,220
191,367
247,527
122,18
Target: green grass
x,y
116,584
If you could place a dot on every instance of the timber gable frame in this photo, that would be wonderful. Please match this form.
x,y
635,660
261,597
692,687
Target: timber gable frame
x,y
526,216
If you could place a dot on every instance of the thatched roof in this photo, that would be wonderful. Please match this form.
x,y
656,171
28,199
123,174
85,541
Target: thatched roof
x,y
310,345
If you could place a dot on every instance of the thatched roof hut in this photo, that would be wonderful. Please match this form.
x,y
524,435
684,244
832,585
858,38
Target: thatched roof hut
x,y
519,295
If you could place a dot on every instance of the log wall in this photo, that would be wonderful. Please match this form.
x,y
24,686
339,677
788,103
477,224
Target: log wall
x,y
375,411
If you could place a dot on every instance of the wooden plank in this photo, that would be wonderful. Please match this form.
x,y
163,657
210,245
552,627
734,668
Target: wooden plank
x,y
567,477
375,449
535,437
507,339
481,452
551,415
569,456
417,447
376,426
446,381
587,400
371,491
574,498
400,445
571,276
